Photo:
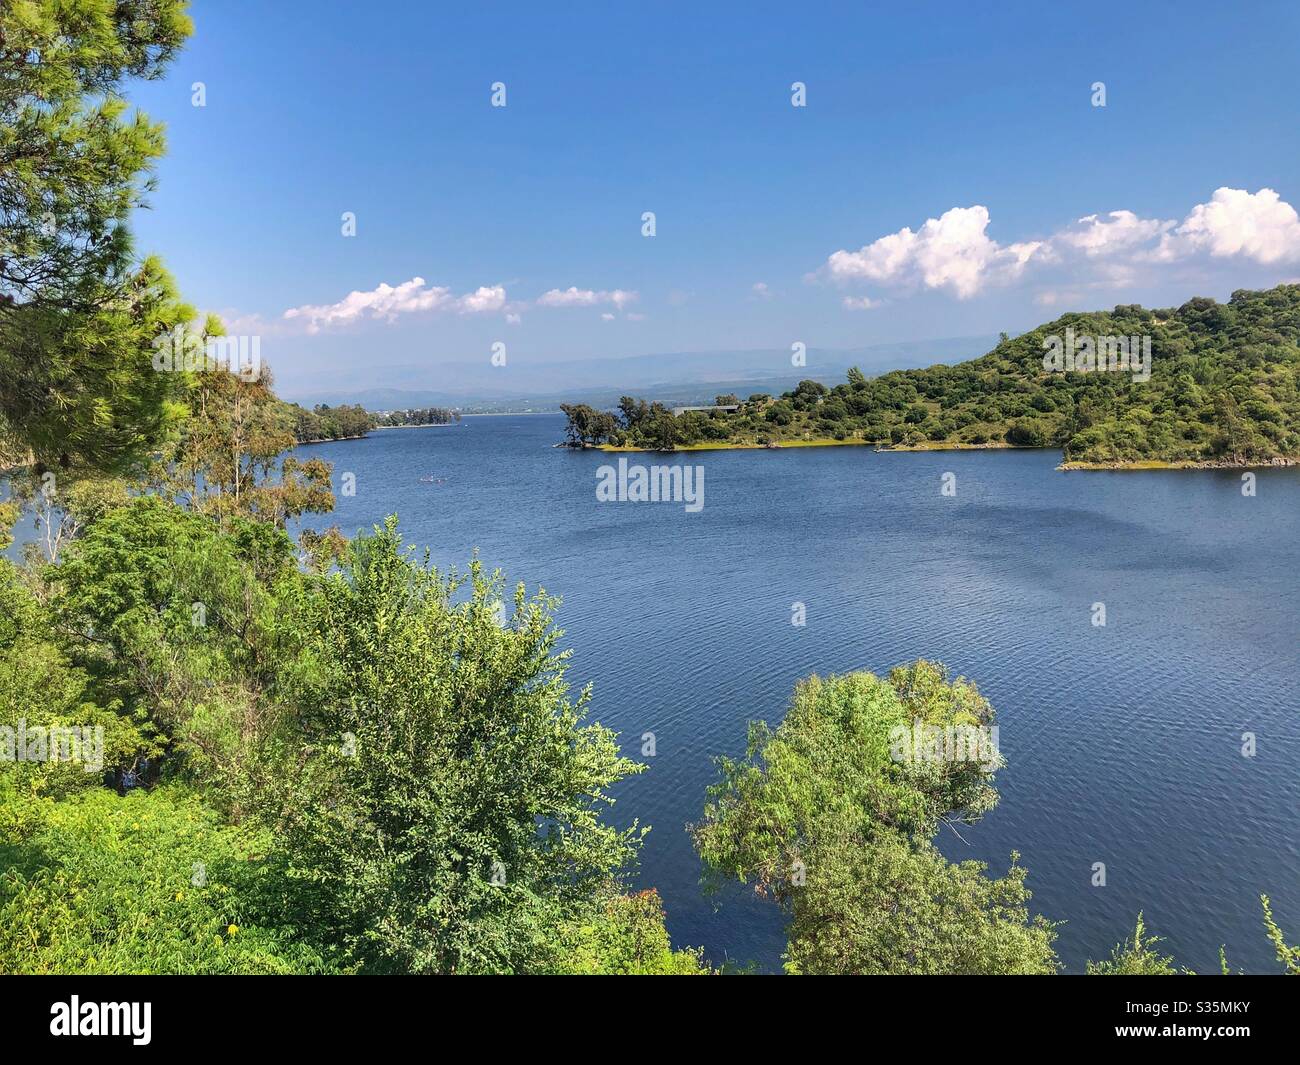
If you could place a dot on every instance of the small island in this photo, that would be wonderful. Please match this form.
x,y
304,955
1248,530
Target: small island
x,y
1217,385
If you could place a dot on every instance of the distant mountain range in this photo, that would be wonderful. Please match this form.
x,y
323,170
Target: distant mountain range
x,y
679,378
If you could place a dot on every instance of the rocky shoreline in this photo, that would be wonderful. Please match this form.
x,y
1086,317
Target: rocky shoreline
x,y
1276,462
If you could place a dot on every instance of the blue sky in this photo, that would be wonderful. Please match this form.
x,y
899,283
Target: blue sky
x,y
913,110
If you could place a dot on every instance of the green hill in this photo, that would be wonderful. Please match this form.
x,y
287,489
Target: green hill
x,y
1222,387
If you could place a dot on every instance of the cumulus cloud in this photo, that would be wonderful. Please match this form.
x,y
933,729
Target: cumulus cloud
x,y
952,251
1259,226
1094,236
585,297
761,291
387,302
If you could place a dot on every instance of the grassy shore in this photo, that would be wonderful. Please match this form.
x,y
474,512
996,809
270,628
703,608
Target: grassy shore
x,y
941,445
780,445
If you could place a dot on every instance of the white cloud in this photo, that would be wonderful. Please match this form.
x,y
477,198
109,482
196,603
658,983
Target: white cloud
x,y
483,299
951,251
585,297
1260,226
859,303
1103,251
386,302
606,317
1093,236
761,290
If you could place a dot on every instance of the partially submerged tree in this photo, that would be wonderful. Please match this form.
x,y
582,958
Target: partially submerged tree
x,y
832,813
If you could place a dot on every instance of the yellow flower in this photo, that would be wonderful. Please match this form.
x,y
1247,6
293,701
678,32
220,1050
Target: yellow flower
x,y
232,930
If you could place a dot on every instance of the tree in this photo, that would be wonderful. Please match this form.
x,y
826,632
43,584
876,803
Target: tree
x,y
76,314
1202,383
63,507
832,814
230,459
438,802
896,908
183,629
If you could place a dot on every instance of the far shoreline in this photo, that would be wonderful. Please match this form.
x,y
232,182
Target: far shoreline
x,y
1277,463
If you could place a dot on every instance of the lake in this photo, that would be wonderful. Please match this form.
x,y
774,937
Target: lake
x,y
1123,742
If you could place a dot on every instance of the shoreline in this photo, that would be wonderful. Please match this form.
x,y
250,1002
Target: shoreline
x,y
426,425
1277,463
819,442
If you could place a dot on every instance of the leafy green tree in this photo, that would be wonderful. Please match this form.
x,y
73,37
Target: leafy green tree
x,y
439,799
231,459
900,908
180,627
42,688
832,813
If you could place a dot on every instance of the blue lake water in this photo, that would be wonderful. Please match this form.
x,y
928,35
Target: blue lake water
x,y
1123,742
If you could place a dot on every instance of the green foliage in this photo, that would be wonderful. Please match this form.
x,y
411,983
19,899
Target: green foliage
x,y
1138,956
586,425
831,814
77,315
231,458
1135,957
420,416
331,423
1288,955
77,384
1224,388
75,163
178,625
41,688
897,907
150,883
439,802
625,937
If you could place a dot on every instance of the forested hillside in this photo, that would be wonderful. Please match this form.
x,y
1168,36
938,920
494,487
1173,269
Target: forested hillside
x,y
1222,388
